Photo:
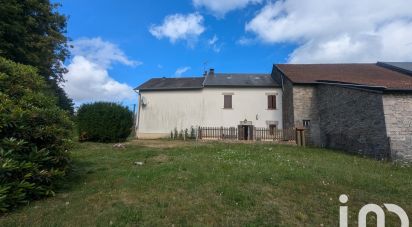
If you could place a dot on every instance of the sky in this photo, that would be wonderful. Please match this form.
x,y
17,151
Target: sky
x,y
118,45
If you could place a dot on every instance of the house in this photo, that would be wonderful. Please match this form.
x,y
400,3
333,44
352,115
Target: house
x,y
214,100
362,108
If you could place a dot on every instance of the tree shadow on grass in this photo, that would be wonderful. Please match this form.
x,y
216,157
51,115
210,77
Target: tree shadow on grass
x,y
75,176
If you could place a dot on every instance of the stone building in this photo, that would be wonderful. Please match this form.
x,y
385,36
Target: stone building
x,y
362,108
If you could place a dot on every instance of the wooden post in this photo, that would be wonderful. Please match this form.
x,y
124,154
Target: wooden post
x,y
221,132
297,137
300,137
303,138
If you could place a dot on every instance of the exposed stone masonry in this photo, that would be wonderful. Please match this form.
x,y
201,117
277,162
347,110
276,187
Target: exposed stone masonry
x,y
398,117
352,120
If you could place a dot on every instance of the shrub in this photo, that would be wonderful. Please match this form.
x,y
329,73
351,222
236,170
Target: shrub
x,y
180,134
176,134
186,135
192,133
34,136
104,122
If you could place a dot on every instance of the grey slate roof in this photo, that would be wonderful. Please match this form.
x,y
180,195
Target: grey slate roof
x,y
240,80
403,67
184,83
217,80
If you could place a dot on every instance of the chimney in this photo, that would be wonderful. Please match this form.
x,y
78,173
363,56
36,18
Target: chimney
x,y
211,72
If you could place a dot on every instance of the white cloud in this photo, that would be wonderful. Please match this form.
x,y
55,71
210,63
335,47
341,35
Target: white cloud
x,y
88,78
213,43
338,31
179,27
245,41
213,40
179,72
221,7
101,52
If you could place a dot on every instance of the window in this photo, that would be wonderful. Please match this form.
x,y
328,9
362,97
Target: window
x,y
306,123
227,102
272,129
271,102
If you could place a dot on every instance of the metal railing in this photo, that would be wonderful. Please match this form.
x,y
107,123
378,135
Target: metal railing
x,y
259,134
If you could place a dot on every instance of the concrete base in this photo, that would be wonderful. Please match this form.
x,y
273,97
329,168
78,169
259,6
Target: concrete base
x,y
152,135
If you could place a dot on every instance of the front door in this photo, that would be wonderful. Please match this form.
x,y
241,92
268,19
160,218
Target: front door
x,y
245,132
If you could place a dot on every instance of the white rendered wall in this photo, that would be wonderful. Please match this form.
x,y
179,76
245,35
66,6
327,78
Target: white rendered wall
x,y
166,110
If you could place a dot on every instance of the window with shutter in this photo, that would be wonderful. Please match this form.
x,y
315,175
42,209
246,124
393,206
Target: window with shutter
x,y
271,102
227,102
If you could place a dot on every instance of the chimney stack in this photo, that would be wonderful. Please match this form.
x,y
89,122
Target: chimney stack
x,y
211,72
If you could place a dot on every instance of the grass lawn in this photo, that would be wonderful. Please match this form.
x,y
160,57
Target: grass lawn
x,y
216,184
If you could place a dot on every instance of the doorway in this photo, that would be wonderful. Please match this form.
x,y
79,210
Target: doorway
x,y
245,132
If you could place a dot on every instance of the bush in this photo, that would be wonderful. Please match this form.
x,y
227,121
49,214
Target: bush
x,y
104,122
176,134
34,136
192,133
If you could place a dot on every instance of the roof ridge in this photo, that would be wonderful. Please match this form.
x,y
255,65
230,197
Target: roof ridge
x,y
349,63
242,74
189,77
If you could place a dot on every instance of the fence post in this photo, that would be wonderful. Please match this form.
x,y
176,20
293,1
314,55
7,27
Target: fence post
x,y
221,133
300,137
303,138
199,133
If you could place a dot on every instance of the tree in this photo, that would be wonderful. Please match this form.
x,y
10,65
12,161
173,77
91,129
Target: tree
x,y
32,32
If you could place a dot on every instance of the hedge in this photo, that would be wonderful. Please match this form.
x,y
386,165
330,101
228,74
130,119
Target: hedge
x,y
104,122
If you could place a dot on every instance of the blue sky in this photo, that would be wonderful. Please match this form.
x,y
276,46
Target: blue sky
x,y
121,44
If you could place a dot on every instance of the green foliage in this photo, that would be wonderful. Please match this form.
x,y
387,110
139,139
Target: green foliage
x,y
186,134
33,33
176,134
180,134
104,122
192,133
33,136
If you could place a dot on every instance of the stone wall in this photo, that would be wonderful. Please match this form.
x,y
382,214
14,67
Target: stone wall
x,y
287,97
287,105
398,118
352,120
305,108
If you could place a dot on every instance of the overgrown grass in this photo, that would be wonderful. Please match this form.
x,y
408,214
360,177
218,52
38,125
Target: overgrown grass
x,y
216,184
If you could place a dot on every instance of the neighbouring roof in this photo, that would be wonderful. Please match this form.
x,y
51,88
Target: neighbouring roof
x,y
184,83
359,74
403,67
240,80
217,80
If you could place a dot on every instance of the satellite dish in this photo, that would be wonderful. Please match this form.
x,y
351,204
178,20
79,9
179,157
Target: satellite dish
x,y
144,101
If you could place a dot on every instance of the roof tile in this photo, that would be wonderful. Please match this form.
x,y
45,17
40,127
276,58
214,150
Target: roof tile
x,y
362,74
